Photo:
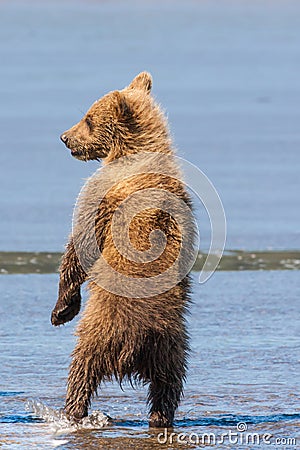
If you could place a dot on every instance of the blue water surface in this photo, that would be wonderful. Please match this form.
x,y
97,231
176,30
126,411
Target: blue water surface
x,y
243,366
227,74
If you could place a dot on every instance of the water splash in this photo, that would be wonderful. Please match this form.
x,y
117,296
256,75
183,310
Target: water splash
x,y
59,422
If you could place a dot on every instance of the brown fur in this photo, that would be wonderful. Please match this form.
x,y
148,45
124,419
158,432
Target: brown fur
x,y
133,337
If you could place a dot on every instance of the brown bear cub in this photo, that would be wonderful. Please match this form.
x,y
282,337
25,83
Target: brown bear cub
x,y
133,326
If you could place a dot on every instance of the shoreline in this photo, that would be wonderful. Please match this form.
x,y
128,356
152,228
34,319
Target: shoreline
x,y
232,260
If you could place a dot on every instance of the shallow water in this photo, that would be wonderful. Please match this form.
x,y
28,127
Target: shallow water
x,y
244,366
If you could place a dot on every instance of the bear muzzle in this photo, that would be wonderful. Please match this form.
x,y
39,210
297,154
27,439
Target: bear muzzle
x,y
72,145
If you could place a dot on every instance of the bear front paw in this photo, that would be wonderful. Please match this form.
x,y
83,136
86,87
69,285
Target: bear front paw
x,y
63,312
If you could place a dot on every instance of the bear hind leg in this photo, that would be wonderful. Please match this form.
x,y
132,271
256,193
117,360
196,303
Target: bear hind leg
x,y
164,399
166,385
85,375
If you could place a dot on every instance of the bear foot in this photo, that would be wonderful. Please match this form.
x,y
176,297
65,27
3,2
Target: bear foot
x,y
77,414
158,420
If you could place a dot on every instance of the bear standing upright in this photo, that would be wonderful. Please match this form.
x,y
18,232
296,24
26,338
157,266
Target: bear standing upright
x,y
133,326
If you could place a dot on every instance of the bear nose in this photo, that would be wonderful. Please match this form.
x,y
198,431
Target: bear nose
x,y
64,138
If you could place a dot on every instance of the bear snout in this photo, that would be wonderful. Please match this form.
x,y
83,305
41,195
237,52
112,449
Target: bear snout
x,y
64,139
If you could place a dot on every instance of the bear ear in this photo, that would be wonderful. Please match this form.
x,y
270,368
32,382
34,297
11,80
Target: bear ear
x,y
121,104
142,81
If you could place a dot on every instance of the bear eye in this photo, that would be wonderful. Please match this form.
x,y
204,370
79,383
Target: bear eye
x,y
89,123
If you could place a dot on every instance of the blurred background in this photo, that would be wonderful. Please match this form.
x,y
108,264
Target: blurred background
x,y
226,72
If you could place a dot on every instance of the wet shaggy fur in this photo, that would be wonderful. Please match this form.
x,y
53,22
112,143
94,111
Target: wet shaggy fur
x,y
136,337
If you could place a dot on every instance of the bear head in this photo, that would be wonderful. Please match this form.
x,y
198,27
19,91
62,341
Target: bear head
x,y
120,123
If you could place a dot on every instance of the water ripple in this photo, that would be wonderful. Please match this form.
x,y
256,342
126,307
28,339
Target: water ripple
x,y
20,419
10,393
233,420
